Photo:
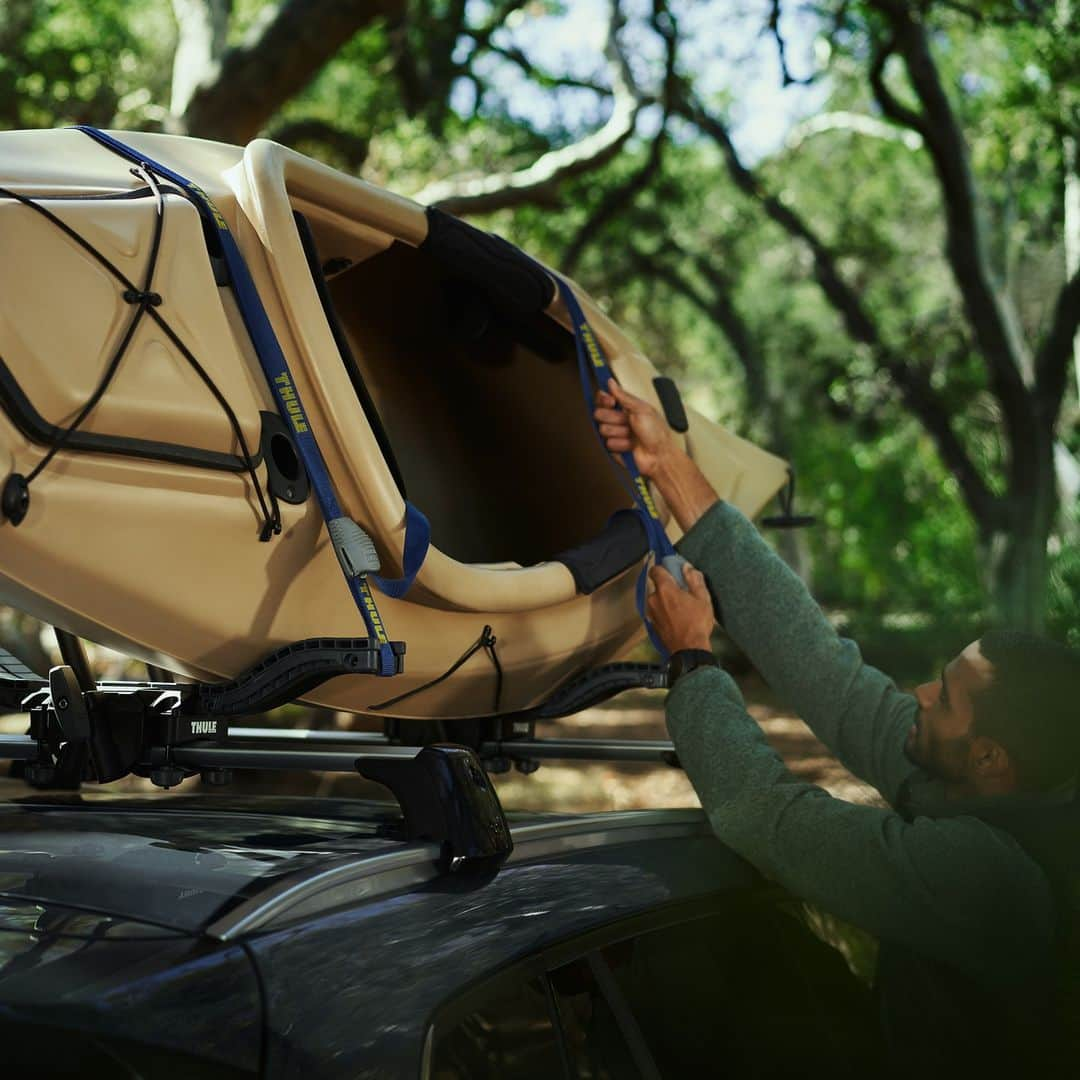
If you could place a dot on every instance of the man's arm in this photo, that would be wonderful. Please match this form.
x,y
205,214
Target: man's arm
x,y
954,889
853,708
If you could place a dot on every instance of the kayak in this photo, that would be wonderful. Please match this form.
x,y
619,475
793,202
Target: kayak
x,y
160,494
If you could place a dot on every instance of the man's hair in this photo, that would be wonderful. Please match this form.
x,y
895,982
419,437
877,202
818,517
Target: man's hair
x,y
1032,706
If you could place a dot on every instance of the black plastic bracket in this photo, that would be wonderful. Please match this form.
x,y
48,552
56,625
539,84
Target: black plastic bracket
x,y
598,685
448,799
291,672
103,734
671,400
285,471
15,498
787,518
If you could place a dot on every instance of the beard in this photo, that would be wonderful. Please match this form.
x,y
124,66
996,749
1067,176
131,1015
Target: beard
x,y
944,759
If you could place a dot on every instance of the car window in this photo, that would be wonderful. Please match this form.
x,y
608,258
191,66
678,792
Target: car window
x,y
603,1039
511,1036
746,991
750,992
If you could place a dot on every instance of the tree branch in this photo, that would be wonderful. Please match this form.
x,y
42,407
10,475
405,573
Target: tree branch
x,y
613,203
422,44
719,309
994,327
482,35
914,386
202,27
857,123
352,148
621,196
279,57
781,48
885,98
844,299
1052,360
481,195
517,57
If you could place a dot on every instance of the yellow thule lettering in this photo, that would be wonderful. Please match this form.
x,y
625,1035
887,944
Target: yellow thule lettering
x,y
373,613
646,496
291,402
591,346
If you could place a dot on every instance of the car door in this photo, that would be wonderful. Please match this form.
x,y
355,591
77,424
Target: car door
x,y
738,986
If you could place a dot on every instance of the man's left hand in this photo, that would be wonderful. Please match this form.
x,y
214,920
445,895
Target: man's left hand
x,y
682,618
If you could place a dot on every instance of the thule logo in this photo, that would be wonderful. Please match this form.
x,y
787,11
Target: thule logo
x,y
203,727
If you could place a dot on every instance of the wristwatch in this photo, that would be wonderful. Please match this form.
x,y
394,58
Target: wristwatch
x,y
687,660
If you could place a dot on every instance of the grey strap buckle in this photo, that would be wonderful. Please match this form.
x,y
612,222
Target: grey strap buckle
x,y
354,548
674,564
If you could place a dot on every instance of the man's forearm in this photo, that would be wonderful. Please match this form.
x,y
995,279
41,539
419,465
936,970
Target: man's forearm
x,y
683,486
854,709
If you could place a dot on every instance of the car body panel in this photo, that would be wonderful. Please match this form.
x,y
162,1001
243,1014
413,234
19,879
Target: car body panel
x,y
389,964
304,937
70,972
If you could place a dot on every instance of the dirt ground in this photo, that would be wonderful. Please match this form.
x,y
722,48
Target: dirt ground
x,y
616,786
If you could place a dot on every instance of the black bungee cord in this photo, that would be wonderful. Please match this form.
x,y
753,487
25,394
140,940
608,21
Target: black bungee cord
x,y
486,641
16,492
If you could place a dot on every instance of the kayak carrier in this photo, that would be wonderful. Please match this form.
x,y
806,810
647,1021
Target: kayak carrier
x,y
83,730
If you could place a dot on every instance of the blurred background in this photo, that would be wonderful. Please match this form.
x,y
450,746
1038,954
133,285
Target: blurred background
x,y
850,229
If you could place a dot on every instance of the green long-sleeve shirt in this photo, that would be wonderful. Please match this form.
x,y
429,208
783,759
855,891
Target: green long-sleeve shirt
x,y
937,879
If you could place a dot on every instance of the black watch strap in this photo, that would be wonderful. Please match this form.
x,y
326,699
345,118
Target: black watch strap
x,y
686,660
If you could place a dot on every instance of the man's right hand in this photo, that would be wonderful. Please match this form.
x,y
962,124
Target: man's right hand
x,y
638,428
635,427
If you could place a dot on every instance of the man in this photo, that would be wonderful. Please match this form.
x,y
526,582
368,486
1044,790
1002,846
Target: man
x,y
969,882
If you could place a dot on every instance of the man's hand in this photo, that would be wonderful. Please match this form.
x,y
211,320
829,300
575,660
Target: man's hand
x,y
634,427
683,619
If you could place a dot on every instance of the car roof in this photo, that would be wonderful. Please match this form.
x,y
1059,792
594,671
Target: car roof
x,y
226,865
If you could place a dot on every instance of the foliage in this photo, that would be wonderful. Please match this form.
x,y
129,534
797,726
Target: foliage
x,y
70,63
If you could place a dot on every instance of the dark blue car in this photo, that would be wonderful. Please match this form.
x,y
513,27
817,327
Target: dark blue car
x,y
210,936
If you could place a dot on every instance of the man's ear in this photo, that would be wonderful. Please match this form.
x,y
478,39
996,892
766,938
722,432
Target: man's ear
x,y
989,759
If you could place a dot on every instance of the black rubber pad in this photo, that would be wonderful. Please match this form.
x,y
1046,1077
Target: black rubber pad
x,y
517,285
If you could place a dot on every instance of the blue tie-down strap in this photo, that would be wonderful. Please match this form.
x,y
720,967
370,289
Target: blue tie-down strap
x,y
594,371
276,369
417,542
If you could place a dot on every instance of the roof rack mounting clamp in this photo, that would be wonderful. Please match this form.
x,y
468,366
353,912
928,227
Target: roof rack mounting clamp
x,y
69,705
447,798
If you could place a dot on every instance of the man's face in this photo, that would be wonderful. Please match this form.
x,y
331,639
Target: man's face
x,y
940,739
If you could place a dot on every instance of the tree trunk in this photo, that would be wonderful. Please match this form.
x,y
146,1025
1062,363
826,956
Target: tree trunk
x,y
1015,553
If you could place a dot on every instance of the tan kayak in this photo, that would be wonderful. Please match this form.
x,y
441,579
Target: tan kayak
x,y
429,363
